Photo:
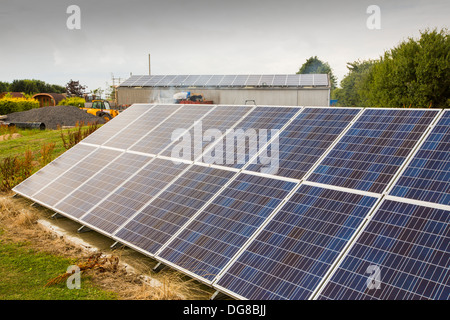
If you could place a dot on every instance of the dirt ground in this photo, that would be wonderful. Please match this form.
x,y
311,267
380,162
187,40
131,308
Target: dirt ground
x,y
125,271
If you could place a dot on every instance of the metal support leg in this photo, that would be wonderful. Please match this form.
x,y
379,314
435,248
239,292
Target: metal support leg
x,y
83,229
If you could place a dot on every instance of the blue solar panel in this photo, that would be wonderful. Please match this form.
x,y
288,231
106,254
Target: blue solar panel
x,y
64,184
306,139
371,152
142,124
427,177
161,137
201,135
108,179
124,202
53,170
408,247
291,255
105,133
163,217
218,232
237,146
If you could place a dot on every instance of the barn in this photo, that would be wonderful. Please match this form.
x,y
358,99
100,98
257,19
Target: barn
x,y
269,89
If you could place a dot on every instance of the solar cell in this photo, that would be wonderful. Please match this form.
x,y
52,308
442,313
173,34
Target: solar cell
x,y
161,137
218,232
177,81
94,190
237,148
214,81
105,133
119,206
51,171
163,217
373,149
408,246
293,252
305,140
240,80
76,176
227,80
142,126
219,119
267,80
253,80
427,176
279,80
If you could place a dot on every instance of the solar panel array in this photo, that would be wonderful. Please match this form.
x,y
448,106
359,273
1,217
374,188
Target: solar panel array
x,y
332,203
268,80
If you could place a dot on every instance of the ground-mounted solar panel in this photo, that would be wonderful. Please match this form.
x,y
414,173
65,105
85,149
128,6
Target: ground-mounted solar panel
x,y
207,131
161,137
53,170
126,200
304,141
253,132
105,133
402,254
293,252
211,240
89,194
427,176
142,126
76,176
155,224
371,152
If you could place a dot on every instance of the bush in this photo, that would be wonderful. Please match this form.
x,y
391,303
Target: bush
x,y
9,104
73,101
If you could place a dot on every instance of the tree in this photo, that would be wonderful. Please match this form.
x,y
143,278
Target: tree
x,y
415,73
33,86
315,65
75,89
349,94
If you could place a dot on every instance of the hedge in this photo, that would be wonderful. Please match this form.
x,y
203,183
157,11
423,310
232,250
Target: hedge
x,y
10,105
73,101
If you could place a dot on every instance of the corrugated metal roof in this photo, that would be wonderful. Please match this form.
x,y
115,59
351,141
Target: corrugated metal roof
x,y
251,80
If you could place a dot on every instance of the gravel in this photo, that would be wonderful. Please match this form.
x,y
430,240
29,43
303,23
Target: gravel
x,y
54,116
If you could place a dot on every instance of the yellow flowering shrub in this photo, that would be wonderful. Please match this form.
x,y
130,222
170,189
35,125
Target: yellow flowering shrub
x,y
9,104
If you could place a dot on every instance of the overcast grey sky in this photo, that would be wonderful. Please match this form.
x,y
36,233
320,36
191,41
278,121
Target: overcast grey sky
x,y
199,36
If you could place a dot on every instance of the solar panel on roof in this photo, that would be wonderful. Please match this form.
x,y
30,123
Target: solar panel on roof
x,y
427,177
206,245
373,149
306,139
293,252
124,202
162,218
408,245
279,80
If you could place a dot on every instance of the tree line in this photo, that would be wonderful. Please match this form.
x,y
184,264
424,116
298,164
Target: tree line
x,y
30,87
416,73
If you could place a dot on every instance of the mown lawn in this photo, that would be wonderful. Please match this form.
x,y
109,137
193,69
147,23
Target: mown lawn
x,y
25,272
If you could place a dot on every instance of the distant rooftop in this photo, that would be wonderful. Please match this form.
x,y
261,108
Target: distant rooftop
x,y
250,80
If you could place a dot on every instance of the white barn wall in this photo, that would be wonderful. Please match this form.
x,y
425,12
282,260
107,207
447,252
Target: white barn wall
x,y
287,97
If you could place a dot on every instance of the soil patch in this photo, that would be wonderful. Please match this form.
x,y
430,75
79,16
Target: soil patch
x,y
10,136
56,116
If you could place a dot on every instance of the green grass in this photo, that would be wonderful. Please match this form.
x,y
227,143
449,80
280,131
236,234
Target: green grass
x,y
25,272
32,140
